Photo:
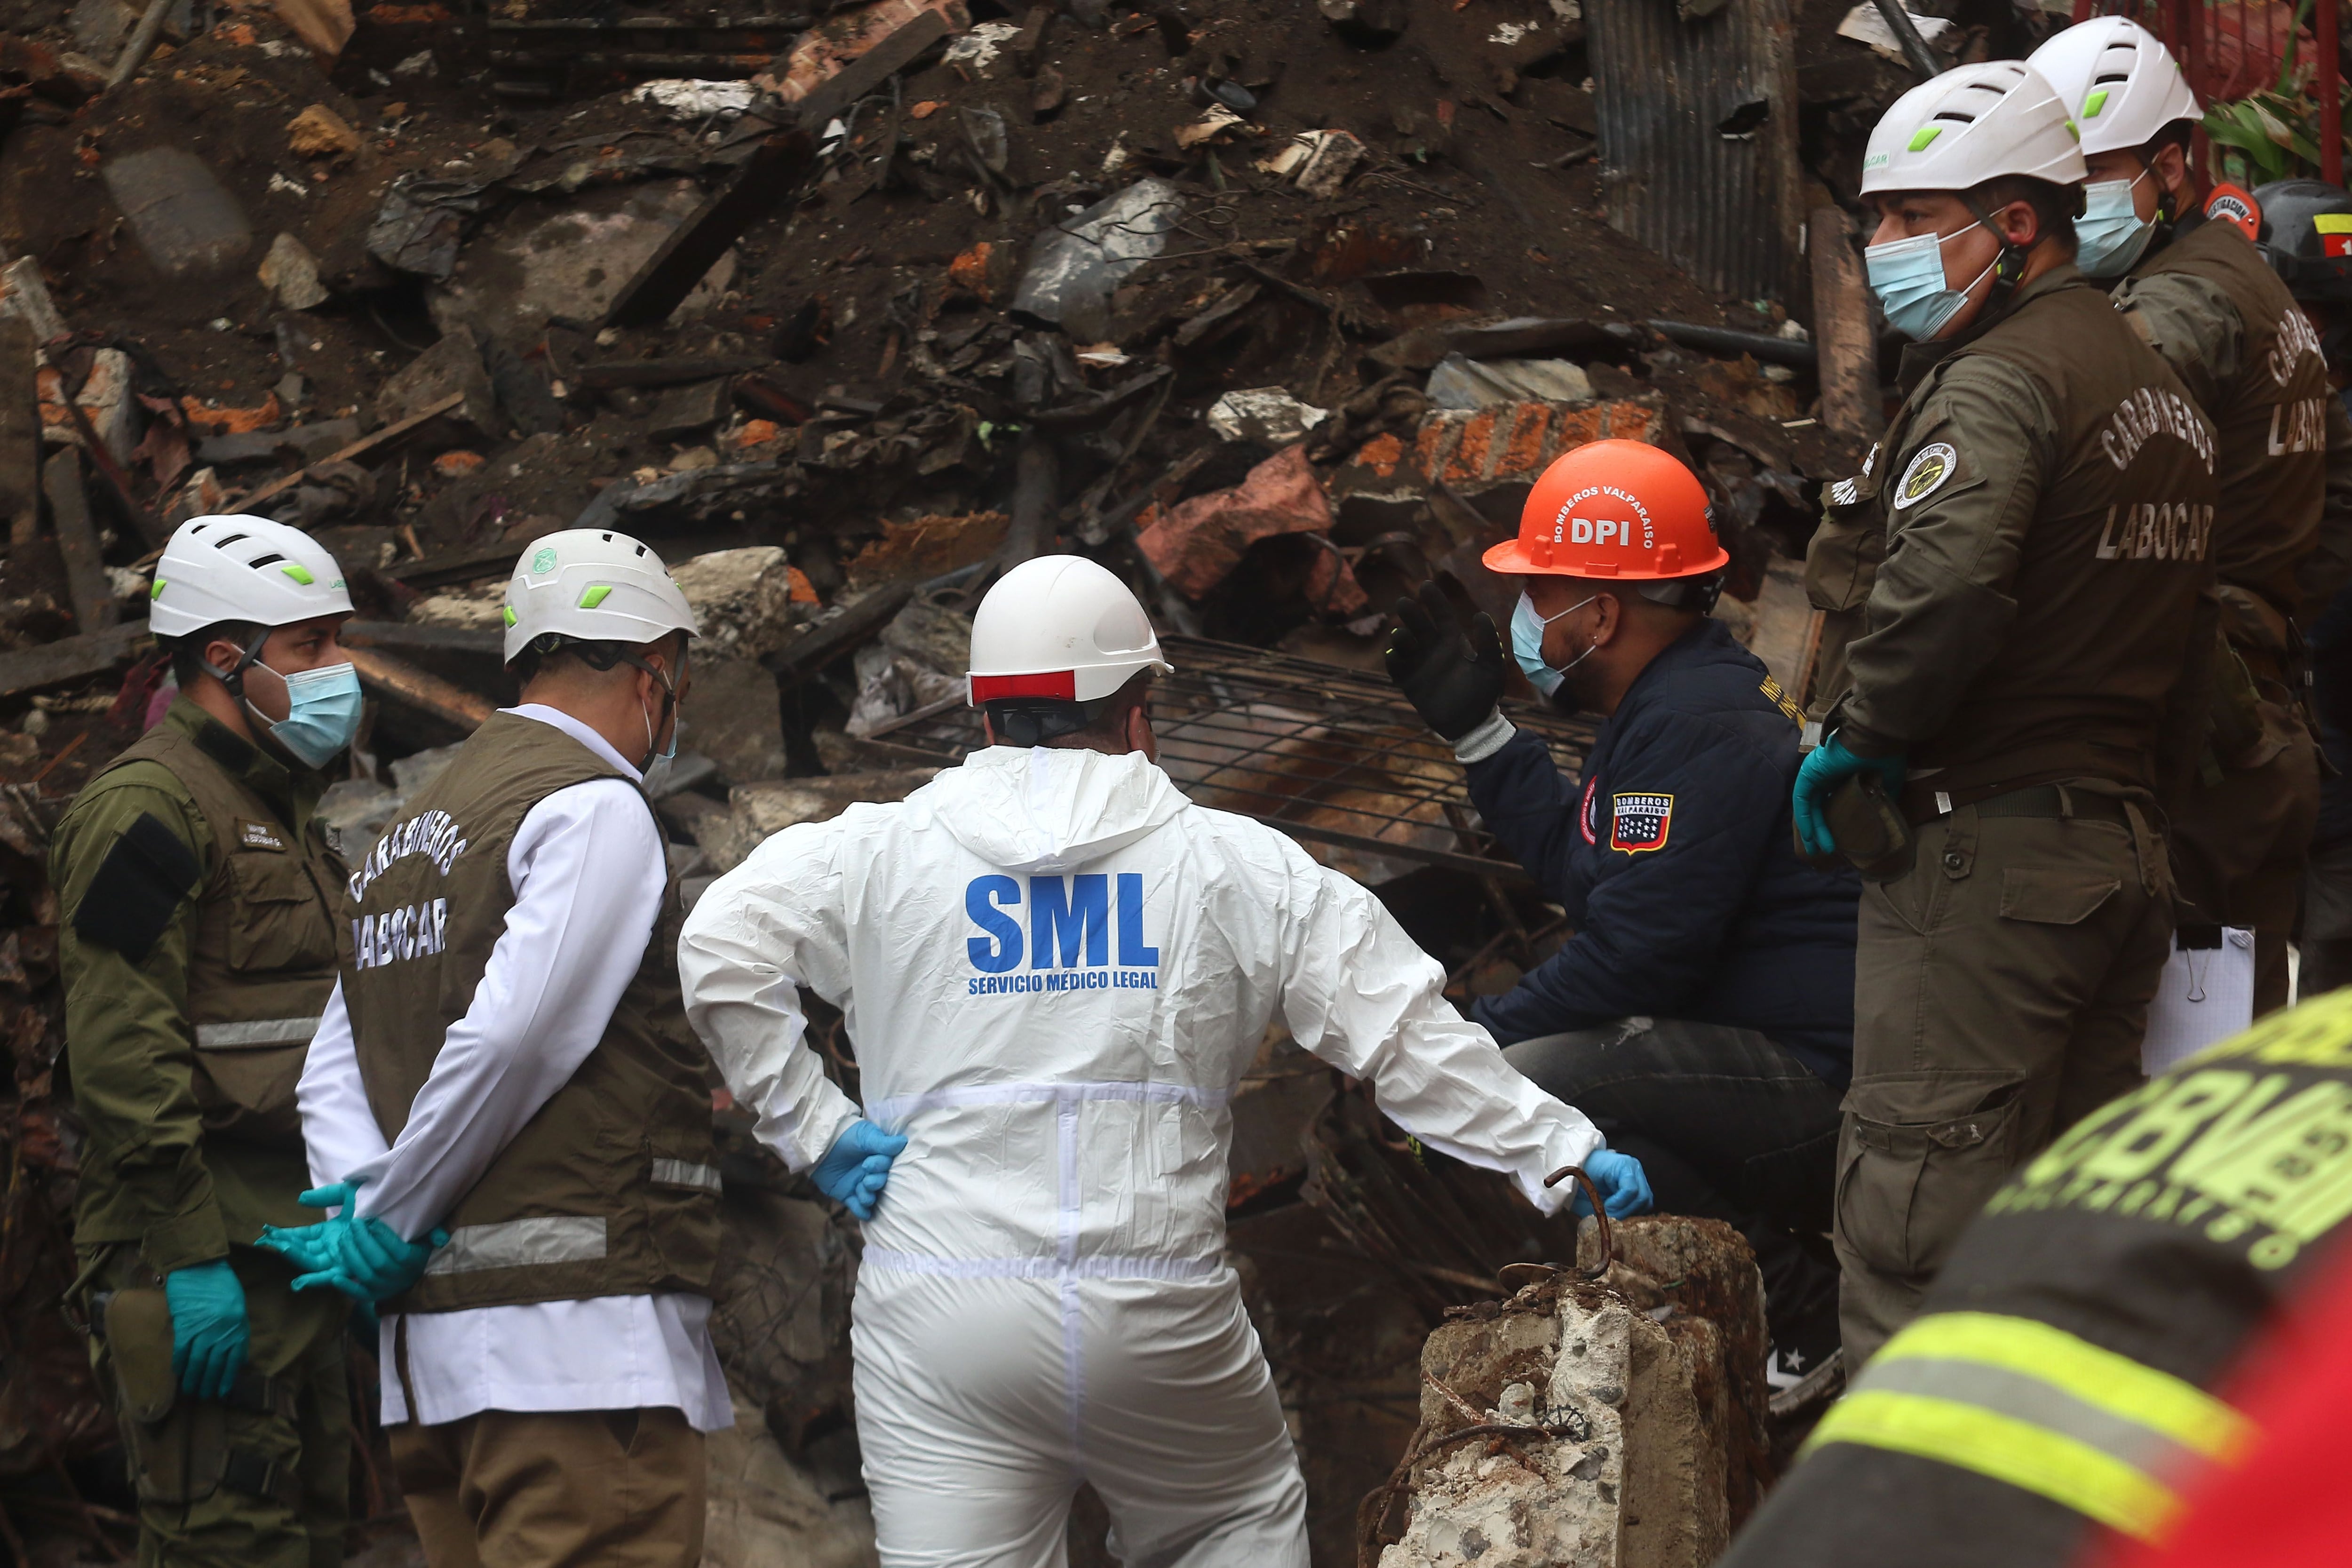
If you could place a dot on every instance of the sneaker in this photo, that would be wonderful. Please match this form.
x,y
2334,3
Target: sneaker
x,y
1803,1360
1797,1380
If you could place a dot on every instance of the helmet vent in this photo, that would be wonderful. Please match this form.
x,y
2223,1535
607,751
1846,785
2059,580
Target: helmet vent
x,y
232,539
258,561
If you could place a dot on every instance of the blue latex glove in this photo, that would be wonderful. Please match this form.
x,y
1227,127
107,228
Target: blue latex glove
x,y
1624,1185
1825,767
209,1328
854,1172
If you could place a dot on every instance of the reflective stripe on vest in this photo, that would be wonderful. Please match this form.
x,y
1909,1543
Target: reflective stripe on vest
x,y
257,1032
520,1244
2035,1407
685,1174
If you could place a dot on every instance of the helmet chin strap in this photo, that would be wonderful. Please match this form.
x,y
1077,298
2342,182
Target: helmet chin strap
x,y
234,676
2009,266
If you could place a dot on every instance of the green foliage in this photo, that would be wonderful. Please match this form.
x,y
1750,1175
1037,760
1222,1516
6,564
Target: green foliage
x,y
2265,136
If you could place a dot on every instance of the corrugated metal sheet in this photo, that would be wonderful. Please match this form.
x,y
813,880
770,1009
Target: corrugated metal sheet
x,y
1725,210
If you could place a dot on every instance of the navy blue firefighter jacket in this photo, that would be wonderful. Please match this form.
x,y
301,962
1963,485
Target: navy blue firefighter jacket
x,y
1675,860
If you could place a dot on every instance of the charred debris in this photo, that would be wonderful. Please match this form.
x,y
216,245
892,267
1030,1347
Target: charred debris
x,y
1276,307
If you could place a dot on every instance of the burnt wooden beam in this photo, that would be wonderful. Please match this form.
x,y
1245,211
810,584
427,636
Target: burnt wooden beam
x,y
670,273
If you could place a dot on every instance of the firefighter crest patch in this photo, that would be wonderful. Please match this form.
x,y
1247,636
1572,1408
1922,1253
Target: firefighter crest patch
x,y
1639,822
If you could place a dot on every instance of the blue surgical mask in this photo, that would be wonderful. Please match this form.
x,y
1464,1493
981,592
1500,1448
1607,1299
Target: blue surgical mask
x,y
1907,276
322,713
2111,235
1527,627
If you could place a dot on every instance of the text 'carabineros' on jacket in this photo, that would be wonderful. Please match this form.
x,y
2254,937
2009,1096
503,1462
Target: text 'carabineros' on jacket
x,y
2046,501
2212,307
612,1187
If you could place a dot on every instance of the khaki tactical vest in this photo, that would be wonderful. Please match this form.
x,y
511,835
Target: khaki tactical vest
x,y
2272,425
2109,575
611,1188
262,953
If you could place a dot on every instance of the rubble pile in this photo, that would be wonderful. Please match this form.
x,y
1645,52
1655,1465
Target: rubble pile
x,y
1615,1419
1277,307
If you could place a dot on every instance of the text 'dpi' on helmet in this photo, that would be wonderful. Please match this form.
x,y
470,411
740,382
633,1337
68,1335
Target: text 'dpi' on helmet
x,y
1619,509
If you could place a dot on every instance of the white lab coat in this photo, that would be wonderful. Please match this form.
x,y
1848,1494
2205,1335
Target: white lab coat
x,y
1055,971
587,870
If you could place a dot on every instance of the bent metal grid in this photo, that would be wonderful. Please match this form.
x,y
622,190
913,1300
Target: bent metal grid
x,y
1325,753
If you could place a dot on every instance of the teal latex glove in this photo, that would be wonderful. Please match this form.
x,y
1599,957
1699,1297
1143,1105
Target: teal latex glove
x,y
373,1258
366,1259
209,1328
1624,1185
310,1249
854,1172
1825,767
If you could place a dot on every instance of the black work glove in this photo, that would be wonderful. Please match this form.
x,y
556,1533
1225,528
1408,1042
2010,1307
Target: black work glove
x,y
1453,674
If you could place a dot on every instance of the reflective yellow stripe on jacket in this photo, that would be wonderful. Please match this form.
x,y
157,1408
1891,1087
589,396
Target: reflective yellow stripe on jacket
x,y
2038,1409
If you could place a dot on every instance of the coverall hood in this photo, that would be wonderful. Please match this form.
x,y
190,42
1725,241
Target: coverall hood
x,y
1042,808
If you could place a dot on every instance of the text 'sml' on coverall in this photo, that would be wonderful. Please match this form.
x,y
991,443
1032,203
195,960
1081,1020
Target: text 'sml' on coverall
x,y
1056,969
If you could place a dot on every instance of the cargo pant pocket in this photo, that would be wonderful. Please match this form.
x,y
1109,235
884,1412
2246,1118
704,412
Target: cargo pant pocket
x,y
2054,895
1907,1190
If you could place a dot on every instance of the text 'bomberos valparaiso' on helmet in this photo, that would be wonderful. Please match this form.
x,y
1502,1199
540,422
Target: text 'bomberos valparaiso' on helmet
x,y
1621,511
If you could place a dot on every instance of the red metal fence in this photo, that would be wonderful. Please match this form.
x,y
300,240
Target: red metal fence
x,y
2232,49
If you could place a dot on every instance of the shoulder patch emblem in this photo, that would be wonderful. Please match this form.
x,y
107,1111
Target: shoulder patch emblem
x,y
2238,209
1584,812
1930,468
1639,822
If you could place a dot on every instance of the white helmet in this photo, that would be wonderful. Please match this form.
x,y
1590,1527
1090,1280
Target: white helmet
x,y
235,568
1972,124
1059,627
2123,86
594,586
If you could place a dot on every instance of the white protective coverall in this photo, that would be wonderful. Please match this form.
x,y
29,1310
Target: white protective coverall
x,y
1055,970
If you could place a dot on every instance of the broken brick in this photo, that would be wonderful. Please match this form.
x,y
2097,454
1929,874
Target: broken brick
x,y
1197,543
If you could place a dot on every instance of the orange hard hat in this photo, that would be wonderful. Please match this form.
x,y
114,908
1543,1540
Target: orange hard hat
x,y
1613,508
